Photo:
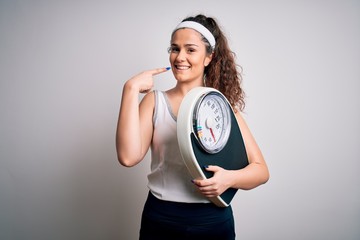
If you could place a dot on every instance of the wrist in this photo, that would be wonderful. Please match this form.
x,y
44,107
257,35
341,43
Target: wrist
x,y
231,178
130,86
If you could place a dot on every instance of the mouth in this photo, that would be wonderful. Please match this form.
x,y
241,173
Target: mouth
x,y
182,67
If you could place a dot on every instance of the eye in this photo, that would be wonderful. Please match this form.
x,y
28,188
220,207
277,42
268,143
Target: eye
x,y
191,50
173,49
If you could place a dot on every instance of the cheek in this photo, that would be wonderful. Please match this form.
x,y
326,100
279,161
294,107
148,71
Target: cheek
x,y
200,61
171,58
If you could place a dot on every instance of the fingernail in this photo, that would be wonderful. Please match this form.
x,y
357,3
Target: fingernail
x,y
168,68
206,166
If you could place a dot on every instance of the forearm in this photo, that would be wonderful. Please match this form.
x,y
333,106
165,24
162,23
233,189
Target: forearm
x,y
250,177
255,174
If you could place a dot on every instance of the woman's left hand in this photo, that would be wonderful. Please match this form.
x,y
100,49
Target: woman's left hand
x,y
215,185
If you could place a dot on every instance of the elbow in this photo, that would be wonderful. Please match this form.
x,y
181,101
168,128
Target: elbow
x,y
264,177
260,178
127,161
127,157
263,173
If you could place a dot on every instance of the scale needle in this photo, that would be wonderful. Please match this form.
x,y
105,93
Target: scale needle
x,y
212,134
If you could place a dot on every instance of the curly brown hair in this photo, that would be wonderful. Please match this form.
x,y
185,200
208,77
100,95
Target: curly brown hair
x,y
222,73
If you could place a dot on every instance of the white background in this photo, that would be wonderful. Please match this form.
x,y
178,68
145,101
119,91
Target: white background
x,y
62,68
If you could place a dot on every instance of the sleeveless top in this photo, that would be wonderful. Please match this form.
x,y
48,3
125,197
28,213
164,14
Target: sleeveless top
x,y
169,179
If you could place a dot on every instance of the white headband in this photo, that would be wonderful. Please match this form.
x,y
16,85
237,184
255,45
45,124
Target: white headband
x,y
200,28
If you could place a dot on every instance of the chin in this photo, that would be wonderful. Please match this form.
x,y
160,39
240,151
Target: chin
x,y
181,77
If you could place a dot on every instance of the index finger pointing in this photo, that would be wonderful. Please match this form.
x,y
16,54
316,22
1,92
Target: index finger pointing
x,y
158,71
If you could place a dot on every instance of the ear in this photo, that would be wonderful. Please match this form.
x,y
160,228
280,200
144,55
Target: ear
x,y
208,59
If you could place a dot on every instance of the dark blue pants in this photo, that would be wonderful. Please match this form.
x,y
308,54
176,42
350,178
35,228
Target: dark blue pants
x,y
164,220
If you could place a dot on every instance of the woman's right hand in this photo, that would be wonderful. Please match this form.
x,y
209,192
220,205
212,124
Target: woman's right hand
x,y
144,81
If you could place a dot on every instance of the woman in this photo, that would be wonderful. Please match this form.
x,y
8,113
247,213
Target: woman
x,y
177,206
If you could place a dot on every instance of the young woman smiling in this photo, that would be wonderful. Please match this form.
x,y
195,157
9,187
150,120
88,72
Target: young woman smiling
x,y
177,206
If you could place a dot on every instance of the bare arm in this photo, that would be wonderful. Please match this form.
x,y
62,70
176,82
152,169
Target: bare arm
x,y
134,128
255,174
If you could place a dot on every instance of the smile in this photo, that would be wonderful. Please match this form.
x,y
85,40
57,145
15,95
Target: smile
x,y
182,67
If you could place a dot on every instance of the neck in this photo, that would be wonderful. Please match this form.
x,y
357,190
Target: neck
x,y
183,88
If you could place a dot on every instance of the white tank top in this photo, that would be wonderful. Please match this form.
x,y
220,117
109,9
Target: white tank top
x,y
169,178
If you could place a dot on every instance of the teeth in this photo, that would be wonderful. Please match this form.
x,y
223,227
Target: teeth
x,y
182,67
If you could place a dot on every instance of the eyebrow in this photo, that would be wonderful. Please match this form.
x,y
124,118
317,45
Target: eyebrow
x,y
186,45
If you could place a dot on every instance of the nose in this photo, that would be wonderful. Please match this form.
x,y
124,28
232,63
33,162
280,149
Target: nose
x,y
181,56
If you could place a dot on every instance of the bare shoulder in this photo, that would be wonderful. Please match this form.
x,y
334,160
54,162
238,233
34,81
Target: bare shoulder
x,y
240,119
147,106
148,99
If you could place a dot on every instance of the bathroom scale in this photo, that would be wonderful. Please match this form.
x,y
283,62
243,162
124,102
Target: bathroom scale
x,y
208,134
